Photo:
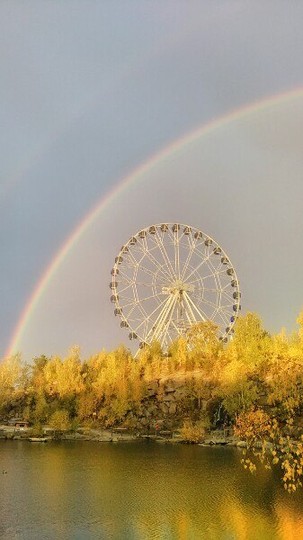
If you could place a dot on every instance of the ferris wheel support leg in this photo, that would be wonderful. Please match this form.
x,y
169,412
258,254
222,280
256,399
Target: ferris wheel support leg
x,y
159,321
194,306
163,325
189,312
169,320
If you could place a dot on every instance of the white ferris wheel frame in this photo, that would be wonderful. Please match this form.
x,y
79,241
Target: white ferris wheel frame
x,y
170,276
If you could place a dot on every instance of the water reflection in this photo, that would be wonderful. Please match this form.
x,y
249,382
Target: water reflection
x,y
137,491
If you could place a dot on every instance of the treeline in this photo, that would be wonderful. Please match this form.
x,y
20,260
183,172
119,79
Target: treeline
x,y
254,382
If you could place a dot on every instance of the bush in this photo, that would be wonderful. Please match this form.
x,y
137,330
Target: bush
x,y
193,432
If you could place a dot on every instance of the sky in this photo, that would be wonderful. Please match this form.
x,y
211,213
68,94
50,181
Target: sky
x,y
144,112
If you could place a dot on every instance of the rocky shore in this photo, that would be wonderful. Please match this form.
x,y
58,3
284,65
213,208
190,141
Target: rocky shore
x,y
213,438
168,403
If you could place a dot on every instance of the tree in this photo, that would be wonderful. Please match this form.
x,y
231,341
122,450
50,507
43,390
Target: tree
x,y
59,420
63,378
12,381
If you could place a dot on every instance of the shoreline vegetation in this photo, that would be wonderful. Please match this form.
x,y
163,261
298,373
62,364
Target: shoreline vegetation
x,y
248,392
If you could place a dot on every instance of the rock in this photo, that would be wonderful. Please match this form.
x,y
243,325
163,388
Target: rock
x,y
172,408
180,393
169,388
152,389
164,408
168,397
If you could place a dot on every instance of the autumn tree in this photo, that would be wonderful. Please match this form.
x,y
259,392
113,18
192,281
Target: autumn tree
x,y
13,380
203,344
242,365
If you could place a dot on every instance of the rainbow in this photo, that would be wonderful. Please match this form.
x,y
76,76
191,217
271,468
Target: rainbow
x,y
136,175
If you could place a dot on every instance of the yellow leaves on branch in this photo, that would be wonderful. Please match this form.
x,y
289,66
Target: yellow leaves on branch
x,y
300,323
254,425
63,377
270,442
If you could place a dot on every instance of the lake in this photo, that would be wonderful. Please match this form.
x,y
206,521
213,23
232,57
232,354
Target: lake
x,y
87,490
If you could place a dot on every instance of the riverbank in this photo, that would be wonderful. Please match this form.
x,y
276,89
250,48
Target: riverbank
x,y
213,438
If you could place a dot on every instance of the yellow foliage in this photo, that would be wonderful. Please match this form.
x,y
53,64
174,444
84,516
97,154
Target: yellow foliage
x,y
192,432
256,380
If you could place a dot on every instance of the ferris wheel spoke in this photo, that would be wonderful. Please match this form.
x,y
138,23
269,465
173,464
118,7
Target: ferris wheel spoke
x,y
205,302
205,289
227,309
142,327
152,274
189,256
199,279
210,299
120,291
137,264
144,285
213,274
126,302
228,297
210,289
150,297
227,286
219,272
142,323
206,259
165,256
177,255
130,258
224,319
133,309
217,280
127,306
163,270
124,277
207,276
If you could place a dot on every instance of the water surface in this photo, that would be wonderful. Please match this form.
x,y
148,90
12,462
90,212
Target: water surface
x,y
87,490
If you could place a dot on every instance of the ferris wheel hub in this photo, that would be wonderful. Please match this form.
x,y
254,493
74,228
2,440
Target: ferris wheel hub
x,y
178,287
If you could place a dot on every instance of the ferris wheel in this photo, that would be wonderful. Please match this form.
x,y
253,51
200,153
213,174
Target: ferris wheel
x,y
170,276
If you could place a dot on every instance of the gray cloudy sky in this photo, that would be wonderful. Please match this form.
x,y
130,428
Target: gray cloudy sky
x,y
89,90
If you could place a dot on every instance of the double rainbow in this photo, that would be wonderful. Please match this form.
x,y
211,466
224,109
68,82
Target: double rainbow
x,y
136,175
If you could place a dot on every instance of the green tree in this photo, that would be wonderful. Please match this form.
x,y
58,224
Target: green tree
x,y
59,420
